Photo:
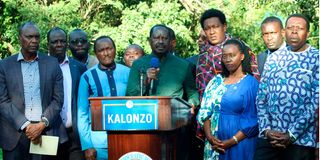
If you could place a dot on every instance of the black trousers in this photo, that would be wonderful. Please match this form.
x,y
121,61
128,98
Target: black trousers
x,y
70,150
265,151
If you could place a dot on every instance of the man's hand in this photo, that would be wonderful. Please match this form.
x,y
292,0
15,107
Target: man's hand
x,y
152,73
283,140
34,130
90,154
278,139
37,141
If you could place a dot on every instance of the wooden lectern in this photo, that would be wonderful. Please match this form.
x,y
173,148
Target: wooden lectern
x,y
160,143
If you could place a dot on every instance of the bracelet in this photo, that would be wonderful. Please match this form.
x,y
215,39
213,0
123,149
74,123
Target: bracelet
x,y
235,139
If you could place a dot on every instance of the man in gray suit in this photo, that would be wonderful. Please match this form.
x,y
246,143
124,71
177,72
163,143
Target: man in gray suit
x,y
273,37
72,71
31,96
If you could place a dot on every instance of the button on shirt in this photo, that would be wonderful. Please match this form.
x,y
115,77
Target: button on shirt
x,y
67,87
31,87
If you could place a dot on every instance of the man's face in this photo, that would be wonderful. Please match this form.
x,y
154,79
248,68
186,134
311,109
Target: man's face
x,y
272,35
160,41
202,38
79,44
215,30
297,33
57,44
29,39
131,55
105,51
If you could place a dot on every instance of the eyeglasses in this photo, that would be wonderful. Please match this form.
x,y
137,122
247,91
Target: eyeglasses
x,y
77,41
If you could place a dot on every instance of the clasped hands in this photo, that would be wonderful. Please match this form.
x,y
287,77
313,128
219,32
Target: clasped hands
x,y
33,132
278,139
221,146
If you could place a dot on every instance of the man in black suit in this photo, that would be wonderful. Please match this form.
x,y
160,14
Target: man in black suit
x,y
31,96
72,70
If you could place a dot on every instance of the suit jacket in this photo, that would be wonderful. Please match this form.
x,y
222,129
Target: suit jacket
x,y
262,57
76,69
12,105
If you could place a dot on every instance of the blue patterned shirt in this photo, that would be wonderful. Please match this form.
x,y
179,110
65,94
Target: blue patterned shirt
x,y
96,82
288,95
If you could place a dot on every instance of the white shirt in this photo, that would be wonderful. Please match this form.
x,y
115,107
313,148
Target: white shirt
x,y
67,88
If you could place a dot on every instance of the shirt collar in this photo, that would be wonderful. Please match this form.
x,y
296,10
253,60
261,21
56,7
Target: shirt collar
x,y
283,46
110,68
21,58
65,61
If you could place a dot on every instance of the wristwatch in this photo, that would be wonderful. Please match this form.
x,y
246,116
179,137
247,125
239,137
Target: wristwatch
x,y
45,121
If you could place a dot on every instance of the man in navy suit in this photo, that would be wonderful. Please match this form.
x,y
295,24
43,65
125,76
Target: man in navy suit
x,y
72,71
31,97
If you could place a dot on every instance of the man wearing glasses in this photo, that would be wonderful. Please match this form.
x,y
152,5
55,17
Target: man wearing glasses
x,y
79,47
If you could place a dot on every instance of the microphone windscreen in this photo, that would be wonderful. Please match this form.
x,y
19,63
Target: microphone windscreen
x,y
154,63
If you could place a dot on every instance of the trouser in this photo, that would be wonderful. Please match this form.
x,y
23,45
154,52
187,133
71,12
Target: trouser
x,y
70,150
265,151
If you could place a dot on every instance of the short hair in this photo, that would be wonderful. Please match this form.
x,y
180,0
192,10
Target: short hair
x,y
158,25
135,46
78,30
25,24
213,13
272,19
244,49
299,16
103,37
55,29
172,35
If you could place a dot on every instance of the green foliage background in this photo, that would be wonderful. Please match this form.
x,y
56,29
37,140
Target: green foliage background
x,y
129,21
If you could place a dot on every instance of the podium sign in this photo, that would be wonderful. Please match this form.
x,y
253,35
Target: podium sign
x,y
135,114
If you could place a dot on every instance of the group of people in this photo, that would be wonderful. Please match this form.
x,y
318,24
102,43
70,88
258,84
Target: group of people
x,y
248,108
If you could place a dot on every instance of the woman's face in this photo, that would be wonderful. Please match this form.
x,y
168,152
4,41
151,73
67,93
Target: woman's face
x,y
232,57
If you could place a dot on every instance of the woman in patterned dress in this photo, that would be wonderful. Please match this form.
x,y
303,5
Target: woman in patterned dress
x,y
228,111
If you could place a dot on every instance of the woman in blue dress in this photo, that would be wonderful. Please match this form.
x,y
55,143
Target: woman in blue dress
x,y
228,112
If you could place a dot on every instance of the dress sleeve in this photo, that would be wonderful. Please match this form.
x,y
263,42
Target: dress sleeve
x,y
249,120
205,110
84,122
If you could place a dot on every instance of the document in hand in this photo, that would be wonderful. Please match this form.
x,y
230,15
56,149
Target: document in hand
x,y
49,146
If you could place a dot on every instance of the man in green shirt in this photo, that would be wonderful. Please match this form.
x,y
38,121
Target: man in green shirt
x,y
173,77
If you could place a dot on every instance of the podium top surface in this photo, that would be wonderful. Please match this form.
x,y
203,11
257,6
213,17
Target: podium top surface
x,y
130,97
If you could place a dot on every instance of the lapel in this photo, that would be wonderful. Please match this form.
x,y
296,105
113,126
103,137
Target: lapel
x,y
42,74
72,67
18,75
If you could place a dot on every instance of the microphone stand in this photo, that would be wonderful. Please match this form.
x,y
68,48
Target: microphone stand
x,y
141,83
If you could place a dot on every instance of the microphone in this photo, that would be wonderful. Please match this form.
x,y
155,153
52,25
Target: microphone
x,y
154,63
